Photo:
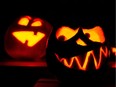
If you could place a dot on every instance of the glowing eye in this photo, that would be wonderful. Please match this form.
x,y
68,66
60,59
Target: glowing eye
x,y
95,34
36,23
65,33
24,20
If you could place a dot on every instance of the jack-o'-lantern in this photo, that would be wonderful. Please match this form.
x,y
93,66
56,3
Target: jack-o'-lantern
x,y
78,54
26,38
112,60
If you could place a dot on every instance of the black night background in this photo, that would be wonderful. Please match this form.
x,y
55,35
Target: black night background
x,y
72,13
86,13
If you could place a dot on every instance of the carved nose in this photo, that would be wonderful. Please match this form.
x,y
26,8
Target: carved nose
x,y
81,42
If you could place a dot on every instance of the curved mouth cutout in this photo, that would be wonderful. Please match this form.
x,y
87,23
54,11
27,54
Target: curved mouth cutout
x,y
76,61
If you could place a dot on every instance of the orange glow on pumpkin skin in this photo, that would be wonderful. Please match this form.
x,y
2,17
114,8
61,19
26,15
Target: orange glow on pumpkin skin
x,y
113,50
29,36
113,64
86,61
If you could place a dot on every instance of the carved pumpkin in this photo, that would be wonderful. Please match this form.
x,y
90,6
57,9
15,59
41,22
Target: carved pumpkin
x,y
112,57
77,54
26,38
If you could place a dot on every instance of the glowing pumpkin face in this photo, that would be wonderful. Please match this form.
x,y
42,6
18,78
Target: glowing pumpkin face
x,y
27,38
85,40
71,51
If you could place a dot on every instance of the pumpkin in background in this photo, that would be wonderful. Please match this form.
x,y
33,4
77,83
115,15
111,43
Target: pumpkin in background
x,y
78,54
112,59
26,38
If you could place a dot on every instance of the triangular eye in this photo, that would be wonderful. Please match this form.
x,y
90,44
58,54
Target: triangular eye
x,y
24,20
36,23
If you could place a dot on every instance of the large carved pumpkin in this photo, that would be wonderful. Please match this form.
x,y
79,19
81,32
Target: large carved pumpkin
x,y
78,54
26,38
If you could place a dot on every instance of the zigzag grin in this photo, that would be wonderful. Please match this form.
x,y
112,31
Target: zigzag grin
x,y
69,62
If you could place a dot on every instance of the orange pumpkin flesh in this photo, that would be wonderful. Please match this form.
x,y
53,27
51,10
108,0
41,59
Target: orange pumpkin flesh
x,y
83,66
95,34
78,55
26,38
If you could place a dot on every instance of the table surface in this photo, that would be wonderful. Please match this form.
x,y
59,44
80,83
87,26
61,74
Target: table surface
x,y
44,82
24,63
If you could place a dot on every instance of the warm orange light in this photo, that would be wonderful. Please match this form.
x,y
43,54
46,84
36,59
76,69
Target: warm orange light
x,y
96,34
86,61
80,42
23,64
24,20
113,50
67,32
36,23
28,36
112,64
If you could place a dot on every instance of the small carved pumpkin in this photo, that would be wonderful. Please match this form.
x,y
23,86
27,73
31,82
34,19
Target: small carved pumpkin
x,y
77,54
26,38
112,60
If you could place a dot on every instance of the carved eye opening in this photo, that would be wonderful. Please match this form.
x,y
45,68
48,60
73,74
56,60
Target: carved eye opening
x,y
65,33
95,34
36,23
24,20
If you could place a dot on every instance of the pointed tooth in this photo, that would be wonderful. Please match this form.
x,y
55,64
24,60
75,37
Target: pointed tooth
x,y
75,65
69,62
64,61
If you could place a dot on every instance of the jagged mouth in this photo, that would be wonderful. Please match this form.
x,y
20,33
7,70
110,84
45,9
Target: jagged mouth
x,y
83,66
29,38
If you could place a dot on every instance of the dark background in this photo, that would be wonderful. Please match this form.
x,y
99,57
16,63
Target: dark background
x,y
85,13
